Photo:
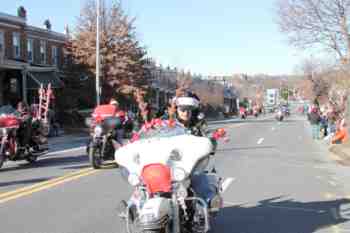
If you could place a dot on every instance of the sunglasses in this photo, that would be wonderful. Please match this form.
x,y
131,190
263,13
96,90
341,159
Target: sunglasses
x,y
185,109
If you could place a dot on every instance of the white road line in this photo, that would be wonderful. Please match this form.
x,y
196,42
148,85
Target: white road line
x,y
332,183
260,141
227,182
65,151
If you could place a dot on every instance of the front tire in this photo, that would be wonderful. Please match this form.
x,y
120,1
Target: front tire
x,y
2,160
95,156
32,159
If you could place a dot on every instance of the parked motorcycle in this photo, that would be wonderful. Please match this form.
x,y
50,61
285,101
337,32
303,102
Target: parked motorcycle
x,y
169,195
102,144
13,129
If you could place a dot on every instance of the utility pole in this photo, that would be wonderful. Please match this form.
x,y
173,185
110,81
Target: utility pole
x,y
98,90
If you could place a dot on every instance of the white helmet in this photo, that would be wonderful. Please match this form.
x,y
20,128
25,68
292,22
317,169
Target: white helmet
x,y
186,102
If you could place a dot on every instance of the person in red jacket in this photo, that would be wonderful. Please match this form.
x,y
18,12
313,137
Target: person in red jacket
x,y
341,135
121,114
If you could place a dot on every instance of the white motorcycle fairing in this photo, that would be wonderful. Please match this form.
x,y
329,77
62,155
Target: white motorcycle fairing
x,y
191,149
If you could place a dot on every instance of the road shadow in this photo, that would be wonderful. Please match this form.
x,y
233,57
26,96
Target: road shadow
x,y
276,216
50,162
245,148
30,181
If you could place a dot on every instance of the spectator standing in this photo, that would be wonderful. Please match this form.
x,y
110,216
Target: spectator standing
x,y
341,135
315,122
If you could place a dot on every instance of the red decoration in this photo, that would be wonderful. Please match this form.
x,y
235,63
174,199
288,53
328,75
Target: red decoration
x,y
219,133
135,137
171,123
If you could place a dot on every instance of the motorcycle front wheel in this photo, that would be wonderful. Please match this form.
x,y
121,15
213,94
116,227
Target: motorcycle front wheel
x,y
32,158
95,156
2,160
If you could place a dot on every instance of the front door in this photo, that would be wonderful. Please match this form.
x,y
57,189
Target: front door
x,y
11,87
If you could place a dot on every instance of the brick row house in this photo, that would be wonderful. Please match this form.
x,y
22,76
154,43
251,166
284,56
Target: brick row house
x,y
29,56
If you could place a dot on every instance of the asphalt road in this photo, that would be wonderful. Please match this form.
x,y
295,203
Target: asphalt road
x,y
283,182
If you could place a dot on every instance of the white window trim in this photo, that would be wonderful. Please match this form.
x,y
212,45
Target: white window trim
x,y
16,34
54,55
2,39
42,42
30,41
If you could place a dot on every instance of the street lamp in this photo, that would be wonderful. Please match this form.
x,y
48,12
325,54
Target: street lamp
x,y
98,90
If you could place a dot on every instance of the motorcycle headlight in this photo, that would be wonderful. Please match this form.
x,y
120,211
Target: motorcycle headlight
x,y
98,131
3,131
133,179
178,174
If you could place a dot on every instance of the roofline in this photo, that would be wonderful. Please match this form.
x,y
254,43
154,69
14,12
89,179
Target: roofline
x,y
12,18
42,30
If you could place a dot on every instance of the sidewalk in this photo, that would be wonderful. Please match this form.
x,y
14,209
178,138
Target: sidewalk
x,y
342,152
338,152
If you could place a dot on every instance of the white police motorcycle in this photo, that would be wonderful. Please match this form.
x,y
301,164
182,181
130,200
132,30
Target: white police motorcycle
x,y
173,190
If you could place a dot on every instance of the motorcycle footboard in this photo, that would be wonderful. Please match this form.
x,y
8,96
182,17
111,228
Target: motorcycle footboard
x,y
204,207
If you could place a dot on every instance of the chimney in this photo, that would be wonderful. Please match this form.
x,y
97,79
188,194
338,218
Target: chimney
x,y
21,12
47,25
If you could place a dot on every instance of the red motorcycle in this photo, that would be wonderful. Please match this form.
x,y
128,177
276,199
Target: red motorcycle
x,y
12,130
104,127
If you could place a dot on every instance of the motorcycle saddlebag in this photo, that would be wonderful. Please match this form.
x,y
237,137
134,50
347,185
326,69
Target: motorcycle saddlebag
x,y
206,186
9,121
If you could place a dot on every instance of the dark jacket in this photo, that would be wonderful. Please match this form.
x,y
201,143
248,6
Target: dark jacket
x,y
314,118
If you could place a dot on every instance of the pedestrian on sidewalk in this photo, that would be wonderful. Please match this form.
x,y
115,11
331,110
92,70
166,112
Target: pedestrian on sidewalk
x,y
315,122
341,136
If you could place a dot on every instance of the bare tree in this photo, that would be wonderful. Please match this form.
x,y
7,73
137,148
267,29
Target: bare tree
x,y
123,59
317,78
310,23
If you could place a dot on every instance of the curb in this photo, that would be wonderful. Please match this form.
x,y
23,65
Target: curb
x,y
339,152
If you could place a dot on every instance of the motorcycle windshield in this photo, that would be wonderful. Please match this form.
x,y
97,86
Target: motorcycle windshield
x,y
163,130
8,110
168,144
9,117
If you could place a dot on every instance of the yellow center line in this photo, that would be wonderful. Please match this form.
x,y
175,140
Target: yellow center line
x,y
7,196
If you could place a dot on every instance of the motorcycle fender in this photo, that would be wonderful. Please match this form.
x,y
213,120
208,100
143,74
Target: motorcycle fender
x,y
158,207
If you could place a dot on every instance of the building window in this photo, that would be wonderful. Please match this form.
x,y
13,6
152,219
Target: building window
x,y
13,85
16,45
2,42
54,55
30,53
42,52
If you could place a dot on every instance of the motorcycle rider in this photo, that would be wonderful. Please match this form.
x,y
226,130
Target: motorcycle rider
x,y
206,185
186,110
119,129
25,129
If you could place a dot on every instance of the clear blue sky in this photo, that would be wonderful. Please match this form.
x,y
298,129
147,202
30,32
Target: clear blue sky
x,y
205,36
